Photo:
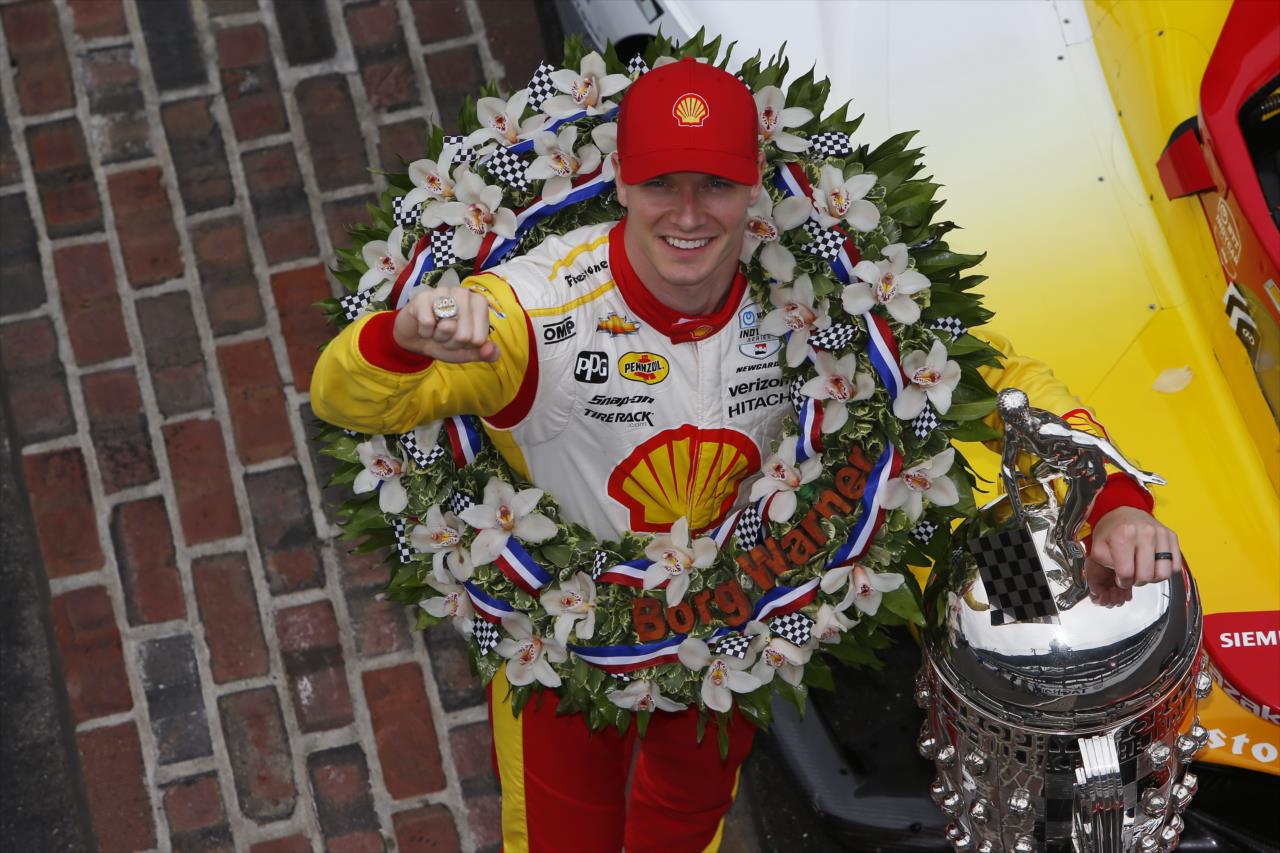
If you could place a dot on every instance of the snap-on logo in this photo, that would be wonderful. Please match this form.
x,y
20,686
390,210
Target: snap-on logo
x,y
647,367
557,332
592,367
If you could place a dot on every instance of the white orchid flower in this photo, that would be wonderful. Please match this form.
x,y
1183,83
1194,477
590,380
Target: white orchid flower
x,y
584,89
558,164
839,383
503,514
724,676
528,656
432,183
777,656
573,602
500,121
453,602
795,313
605,136
642,696
927,480
381,471
441,536
765,224
477,210
780,474
674,557
829,625
866,586
836,200
776,117
932,377
385,259
888,283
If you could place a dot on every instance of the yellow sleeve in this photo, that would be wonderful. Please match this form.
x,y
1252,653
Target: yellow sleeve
x,y
366,382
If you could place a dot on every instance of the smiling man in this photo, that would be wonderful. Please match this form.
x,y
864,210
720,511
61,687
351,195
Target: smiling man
x,y
621,368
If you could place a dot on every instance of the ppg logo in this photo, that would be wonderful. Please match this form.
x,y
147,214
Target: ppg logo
x,y
592,367
557,332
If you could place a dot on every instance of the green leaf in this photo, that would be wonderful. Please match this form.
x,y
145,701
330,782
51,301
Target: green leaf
x,y
976,430
971,410
902,601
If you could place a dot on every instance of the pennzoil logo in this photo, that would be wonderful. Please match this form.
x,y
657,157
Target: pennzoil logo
x,y
647,367
690,110
616,324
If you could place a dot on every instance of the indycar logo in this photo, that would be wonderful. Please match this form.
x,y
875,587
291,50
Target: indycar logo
x,y
616,324
591,367
751,342
647,367
557,332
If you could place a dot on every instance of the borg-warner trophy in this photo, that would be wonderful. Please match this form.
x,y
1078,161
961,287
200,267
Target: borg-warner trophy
x,y
1056,723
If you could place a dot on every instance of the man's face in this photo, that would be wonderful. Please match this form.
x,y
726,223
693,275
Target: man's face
x,y
685,229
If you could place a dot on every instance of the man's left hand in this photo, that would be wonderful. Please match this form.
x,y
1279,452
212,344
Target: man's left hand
x,y
1123,554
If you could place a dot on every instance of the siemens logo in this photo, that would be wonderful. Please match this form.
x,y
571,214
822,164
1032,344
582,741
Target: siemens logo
x,y
1248,639
578,278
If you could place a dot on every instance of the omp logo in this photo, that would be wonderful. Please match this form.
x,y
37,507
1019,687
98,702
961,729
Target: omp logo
x,y
592,367
557,332
615,324
647,367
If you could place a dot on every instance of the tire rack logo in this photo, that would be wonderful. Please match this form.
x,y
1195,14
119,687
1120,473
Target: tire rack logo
x,y
615,324
591,367
557,332
752,343
647,367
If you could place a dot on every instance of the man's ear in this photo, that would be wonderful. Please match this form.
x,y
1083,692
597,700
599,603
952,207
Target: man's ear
x,y
760,164
619,187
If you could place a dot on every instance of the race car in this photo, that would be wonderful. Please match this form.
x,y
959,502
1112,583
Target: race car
x,y
1120,163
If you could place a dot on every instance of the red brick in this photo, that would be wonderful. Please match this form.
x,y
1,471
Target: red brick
x,y
199,158
455,74
284,529
258,746
229,612
66,523
148,568
255,400
400,143
34,380
68,194
169,29
71,208
84,625
227,279
291,844
374,27
305,31
390,84
218,8
484,816
329,118
19,256
57,146
194,803
388,76
456,685
439,20
345,212
362,570
429,829
515,38
91,303
279,204
472,748
118,427
202,481
340,782
144,223
122,137
304,327
97,18
115,779
10,168
249,82
174,357
403,730
378,625
313,661
40,71
356,842
111,80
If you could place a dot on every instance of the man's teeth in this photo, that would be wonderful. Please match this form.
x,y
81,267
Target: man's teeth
x,y
687,244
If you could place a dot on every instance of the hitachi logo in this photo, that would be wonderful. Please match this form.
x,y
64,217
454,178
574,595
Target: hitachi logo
x,y
1247,639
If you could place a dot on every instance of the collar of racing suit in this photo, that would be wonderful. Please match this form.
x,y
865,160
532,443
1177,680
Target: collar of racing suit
x,y
680,328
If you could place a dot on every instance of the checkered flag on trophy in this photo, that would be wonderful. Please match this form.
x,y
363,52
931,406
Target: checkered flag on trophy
x,y
795,628
353,304
487,636
508,167
923,531
797,399
637,66
1009,566
749,531
458,502
833,338
830,144
540,85
422,458
405,217
599,563
950,325
733,646
463,153
826,242
404,551
442,248
925,422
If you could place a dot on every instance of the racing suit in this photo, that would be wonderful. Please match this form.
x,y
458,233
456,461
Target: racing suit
x,y
631,416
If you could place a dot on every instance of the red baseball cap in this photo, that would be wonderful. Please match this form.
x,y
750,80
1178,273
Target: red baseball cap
x,y
688,116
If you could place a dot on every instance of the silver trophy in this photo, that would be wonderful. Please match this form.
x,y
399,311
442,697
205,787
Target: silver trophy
x,y
1057,724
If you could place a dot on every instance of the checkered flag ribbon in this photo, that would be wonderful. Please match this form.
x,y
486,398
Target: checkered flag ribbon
x,y
404,551
797,399
950,325
463,153
834,338
830,144
749,531
442,248
598,564
458,502
508,167
422,458
402,216
923,531
353,304
826,241
795,628
540,85
637,66
733,646
925,422
1009,566
486,635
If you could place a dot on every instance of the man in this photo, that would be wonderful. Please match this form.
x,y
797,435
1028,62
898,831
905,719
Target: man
x,y
606,362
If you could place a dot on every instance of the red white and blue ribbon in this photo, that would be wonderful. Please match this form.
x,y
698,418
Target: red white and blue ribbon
x,y
882,349
496,247
627,574
619,659
521,569
524,146
785,599
486,606
792,181
724,529
413,277
464,439
888,466
809,442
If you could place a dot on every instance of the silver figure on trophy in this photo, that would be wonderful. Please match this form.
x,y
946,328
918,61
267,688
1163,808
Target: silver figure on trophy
x,y
1057,724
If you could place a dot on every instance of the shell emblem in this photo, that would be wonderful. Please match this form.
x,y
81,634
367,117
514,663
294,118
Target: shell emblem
x,y
684,471
691,110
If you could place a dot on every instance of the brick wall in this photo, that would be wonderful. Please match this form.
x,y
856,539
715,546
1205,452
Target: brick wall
x,y
174,178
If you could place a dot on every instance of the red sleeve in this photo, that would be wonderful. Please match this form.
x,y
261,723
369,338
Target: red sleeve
x,y
1120,490
379,348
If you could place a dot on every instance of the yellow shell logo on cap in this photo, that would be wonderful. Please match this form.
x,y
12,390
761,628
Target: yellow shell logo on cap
x,y
691,110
